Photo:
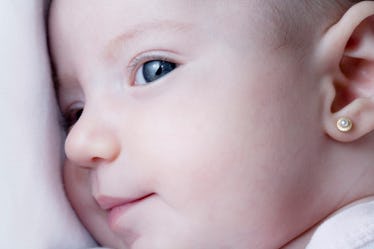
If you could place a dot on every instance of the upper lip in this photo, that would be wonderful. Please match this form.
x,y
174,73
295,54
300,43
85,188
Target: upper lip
x,y
109,202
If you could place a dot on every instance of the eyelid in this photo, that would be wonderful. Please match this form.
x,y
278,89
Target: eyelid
x,y
142,58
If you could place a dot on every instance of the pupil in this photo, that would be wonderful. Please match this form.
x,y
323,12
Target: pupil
x,y
159,70
156,69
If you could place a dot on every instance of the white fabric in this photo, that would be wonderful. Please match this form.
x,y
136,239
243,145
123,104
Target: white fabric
x,y
353,228
35,213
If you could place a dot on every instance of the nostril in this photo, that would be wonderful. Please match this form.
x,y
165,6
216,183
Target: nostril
x,y
94,162
96,159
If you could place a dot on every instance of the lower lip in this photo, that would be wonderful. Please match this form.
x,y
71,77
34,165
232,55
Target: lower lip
x,y
117,212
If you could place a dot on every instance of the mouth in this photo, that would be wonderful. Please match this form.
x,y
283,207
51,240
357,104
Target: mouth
x,y
116,207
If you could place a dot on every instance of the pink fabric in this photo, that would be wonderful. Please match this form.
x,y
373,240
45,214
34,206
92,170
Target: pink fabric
x,y
35,213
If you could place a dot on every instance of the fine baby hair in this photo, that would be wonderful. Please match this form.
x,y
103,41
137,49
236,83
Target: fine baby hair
x,y
218,124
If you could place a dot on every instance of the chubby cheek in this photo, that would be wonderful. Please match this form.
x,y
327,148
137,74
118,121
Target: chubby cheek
x,y
225,184
196,159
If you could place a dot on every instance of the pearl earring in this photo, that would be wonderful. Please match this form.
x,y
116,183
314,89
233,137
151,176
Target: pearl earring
x,y
344,124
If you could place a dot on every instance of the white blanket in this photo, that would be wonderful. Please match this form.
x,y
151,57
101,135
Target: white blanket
x,y
34,212
352,228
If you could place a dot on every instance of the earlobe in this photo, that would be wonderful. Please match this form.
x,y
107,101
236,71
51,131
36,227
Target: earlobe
x,y
360,117
346,59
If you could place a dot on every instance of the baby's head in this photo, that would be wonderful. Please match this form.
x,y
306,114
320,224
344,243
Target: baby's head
x,y
212,124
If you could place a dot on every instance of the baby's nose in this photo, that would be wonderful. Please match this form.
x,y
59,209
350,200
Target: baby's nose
x,y
91,142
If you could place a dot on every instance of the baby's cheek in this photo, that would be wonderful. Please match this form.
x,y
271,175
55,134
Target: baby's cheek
x,y
199,171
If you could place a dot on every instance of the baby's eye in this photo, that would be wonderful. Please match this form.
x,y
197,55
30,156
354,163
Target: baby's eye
x,y
71,117
153,70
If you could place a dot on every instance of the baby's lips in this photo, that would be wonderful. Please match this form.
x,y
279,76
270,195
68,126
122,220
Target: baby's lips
x,y
107,202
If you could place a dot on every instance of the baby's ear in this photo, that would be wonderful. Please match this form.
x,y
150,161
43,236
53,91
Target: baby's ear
x,y
345,59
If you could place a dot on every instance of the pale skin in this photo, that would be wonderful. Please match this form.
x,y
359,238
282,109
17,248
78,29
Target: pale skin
x,y
234,147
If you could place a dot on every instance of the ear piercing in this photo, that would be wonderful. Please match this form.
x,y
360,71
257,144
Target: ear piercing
x,y
344,124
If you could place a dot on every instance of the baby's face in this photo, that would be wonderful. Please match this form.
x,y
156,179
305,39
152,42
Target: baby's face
x,y
192,133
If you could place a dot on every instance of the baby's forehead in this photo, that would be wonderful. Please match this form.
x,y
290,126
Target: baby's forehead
x,y
90,14
141,7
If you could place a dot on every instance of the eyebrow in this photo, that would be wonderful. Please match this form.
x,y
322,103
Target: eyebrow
x,y
111,50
